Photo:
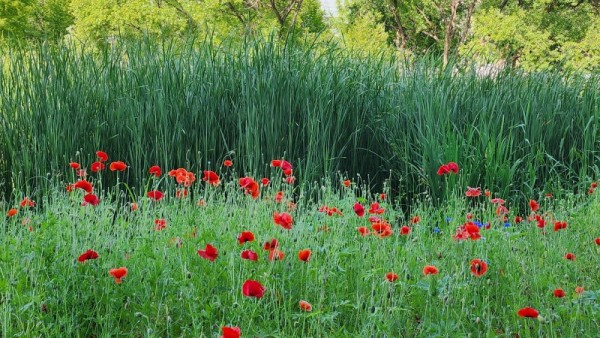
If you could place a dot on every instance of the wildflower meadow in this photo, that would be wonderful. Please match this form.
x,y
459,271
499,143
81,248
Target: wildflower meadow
x,y
343,210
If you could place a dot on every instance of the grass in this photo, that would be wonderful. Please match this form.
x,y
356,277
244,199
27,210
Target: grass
x,y
171,291
322,108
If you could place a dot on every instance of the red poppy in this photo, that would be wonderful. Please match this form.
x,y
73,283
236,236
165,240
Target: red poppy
x,y
304,255
290,179
383,229
473,192
364,231
275,255
134,206
75,165
443,170
478,267
90,199
118,166
570,256
265,181
347,183
405,230
81,173
252,288
250,186
533,205
305,306
11,212
359,209
430,270
278,196
286,167
181,193
597,240
26,202
579,290
270,245
541,222
90,254
528,312
518,219
183,177
375,209
155,170
209,252
487,193
249,255
276,163
155,195
382,196
415,219
97,166
559,293
467,230
283,219
102,156
590,191
497,201
594,185
245,236
559,225
227,163
160,224
118,274
391,277
84,185
211,178
231,332
453,167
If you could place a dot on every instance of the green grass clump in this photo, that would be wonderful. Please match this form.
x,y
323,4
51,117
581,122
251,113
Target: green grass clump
x,y
171,291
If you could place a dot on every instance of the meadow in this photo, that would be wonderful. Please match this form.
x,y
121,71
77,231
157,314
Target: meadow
x,y
274,191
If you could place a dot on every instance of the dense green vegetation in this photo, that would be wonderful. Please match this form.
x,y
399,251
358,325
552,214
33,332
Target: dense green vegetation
x,y
531,34
322,108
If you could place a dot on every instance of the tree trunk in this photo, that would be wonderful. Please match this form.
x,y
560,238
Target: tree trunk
x,y
449,34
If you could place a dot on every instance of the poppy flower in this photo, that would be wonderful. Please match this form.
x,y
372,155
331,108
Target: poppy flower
x,y
270,245
84,185
89,254
559,293
305,306
570,256
453,167
497,201
183,177
252,288
364,231
81,173
227,163
283,219
347,183
26,202
304,255
473,192
276,163
181,193
97,166
375,209
278,196
518,219
249,255
286,166
405,230
579,290
383,229
250,186
275,255
467,230
155,170
528,312
430,270
245,236
209,252
541,222
102,156
11,212
594,185
160,224
359,209
443,170
415,219
382,196
75,165
265,181
118,274
155,195
478,267
391,277
559,225
134,206
290,179
597,240
117,166
90,199
231,332
211,178
533,205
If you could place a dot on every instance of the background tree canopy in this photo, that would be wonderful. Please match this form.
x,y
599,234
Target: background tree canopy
x,y
531,34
